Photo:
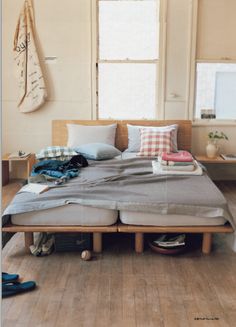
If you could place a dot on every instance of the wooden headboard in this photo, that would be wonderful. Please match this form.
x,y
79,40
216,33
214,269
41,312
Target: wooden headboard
x,y
59,130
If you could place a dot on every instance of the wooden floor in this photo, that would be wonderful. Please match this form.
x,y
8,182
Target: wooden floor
x,y
121,288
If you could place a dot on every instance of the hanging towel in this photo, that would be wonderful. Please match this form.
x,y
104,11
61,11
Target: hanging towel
x,y
32,91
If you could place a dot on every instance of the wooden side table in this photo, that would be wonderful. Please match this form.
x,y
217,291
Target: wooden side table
x,y
217,160
29,160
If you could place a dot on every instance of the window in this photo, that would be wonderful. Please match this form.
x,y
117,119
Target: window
x,y
216,89
216,59
127,63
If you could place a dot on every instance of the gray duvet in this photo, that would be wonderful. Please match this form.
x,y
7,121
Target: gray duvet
x,y
130,185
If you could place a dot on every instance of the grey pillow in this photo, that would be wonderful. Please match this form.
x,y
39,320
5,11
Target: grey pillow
x,y
134,136
98,151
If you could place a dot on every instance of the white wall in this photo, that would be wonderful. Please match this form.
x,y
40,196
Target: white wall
x,y
65,31
177,52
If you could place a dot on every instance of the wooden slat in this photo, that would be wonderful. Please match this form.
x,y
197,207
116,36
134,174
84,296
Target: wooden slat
x,y
60,229
120,228
217,160
174,229
59,130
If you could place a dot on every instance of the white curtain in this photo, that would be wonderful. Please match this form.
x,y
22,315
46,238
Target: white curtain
x,y
32,90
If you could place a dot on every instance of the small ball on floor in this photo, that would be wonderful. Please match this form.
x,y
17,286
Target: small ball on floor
x,y
86,255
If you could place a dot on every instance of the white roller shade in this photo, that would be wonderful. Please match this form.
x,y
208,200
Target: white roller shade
x,y
216,34
128,30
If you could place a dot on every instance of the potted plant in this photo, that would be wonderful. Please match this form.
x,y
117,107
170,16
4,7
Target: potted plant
x,y
212,147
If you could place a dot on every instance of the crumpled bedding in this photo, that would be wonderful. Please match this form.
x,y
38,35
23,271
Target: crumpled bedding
x,y
130,185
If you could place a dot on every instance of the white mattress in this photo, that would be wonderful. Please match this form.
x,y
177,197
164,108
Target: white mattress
x,y
71,214
151,219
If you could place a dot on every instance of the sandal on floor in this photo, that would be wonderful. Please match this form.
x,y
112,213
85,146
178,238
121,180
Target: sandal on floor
x,y
14,288
9,277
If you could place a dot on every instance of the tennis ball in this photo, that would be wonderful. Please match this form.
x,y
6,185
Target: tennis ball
x,y
86,255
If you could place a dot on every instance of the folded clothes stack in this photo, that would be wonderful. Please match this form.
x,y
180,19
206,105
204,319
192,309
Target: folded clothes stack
x,y
179,161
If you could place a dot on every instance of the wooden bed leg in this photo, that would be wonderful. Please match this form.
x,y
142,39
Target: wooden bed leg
x,y
139,242
29,240
97,242
206,243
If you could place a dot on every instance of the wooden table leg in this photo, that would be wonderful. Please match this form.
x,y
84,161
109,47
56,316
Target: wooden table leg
x,y
30,162
29,240
97,242
5,173
206,243
139,242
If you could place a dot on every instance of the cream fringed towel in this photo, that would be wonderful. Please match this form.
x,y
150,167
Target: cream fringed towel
x,y
32,91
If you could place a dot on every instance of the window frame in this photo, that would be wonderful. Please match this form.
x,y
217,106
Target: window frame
x,y
210,122
193,76
159,85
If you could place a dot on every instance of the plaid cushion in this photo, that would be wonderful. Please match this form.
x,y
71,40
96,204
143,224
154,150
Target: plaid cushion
x,y
56,152
153,143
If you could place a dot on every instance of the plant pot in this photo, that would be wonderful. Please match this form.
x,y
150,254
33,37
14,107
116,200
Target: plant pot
x,y
212,150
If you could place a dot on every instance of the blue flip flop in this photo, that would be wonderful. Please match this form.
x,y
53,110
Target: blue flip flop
x,y
14,288
9,277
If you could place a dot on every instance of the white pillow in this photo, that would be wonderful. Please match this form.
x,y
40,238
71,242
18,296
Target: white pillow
x,y
134,136
83,134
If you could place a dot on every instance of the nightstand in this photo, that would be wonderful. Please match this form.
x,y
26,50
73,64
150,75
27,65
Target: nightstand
x,y
218,160
29,162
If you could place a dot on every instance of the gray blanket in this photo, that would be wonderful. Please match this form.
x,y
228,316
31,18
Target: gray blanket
x,y
130,185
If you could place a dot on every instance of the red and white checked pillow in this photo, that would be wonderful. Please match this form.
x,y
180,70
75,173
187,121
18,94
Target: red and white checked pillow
x,y
153,143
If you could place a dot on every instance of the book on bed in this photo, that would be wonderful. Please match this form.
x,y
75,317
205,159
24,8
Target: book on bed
x,y
34,188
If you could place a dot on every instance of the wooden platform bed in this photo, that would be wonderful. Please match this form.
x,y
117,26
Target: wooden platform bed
x,y
59,137
139,232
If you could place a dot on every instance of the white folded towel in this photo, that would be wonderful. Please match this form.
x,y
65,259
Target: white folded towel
x,y
157,170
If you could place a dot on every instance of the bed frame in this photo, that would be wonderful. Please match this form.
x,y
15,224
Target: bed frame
x,y
59,137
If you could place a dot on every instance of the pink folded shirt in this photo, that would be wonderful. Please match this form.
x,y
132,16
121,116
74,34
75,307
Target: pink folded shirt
x,y
181,156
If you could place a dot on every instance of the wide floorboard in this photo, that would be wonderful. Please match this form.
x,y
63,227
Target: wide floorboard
x,y
121,288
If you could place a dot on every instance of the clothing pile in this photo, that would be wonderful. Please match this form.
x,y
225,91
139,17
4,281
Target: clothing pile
x,y
179,161
43,246
60,169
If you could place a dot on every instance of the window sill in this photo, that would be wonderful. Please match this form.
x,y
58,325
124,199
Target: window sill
x,y
214,122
